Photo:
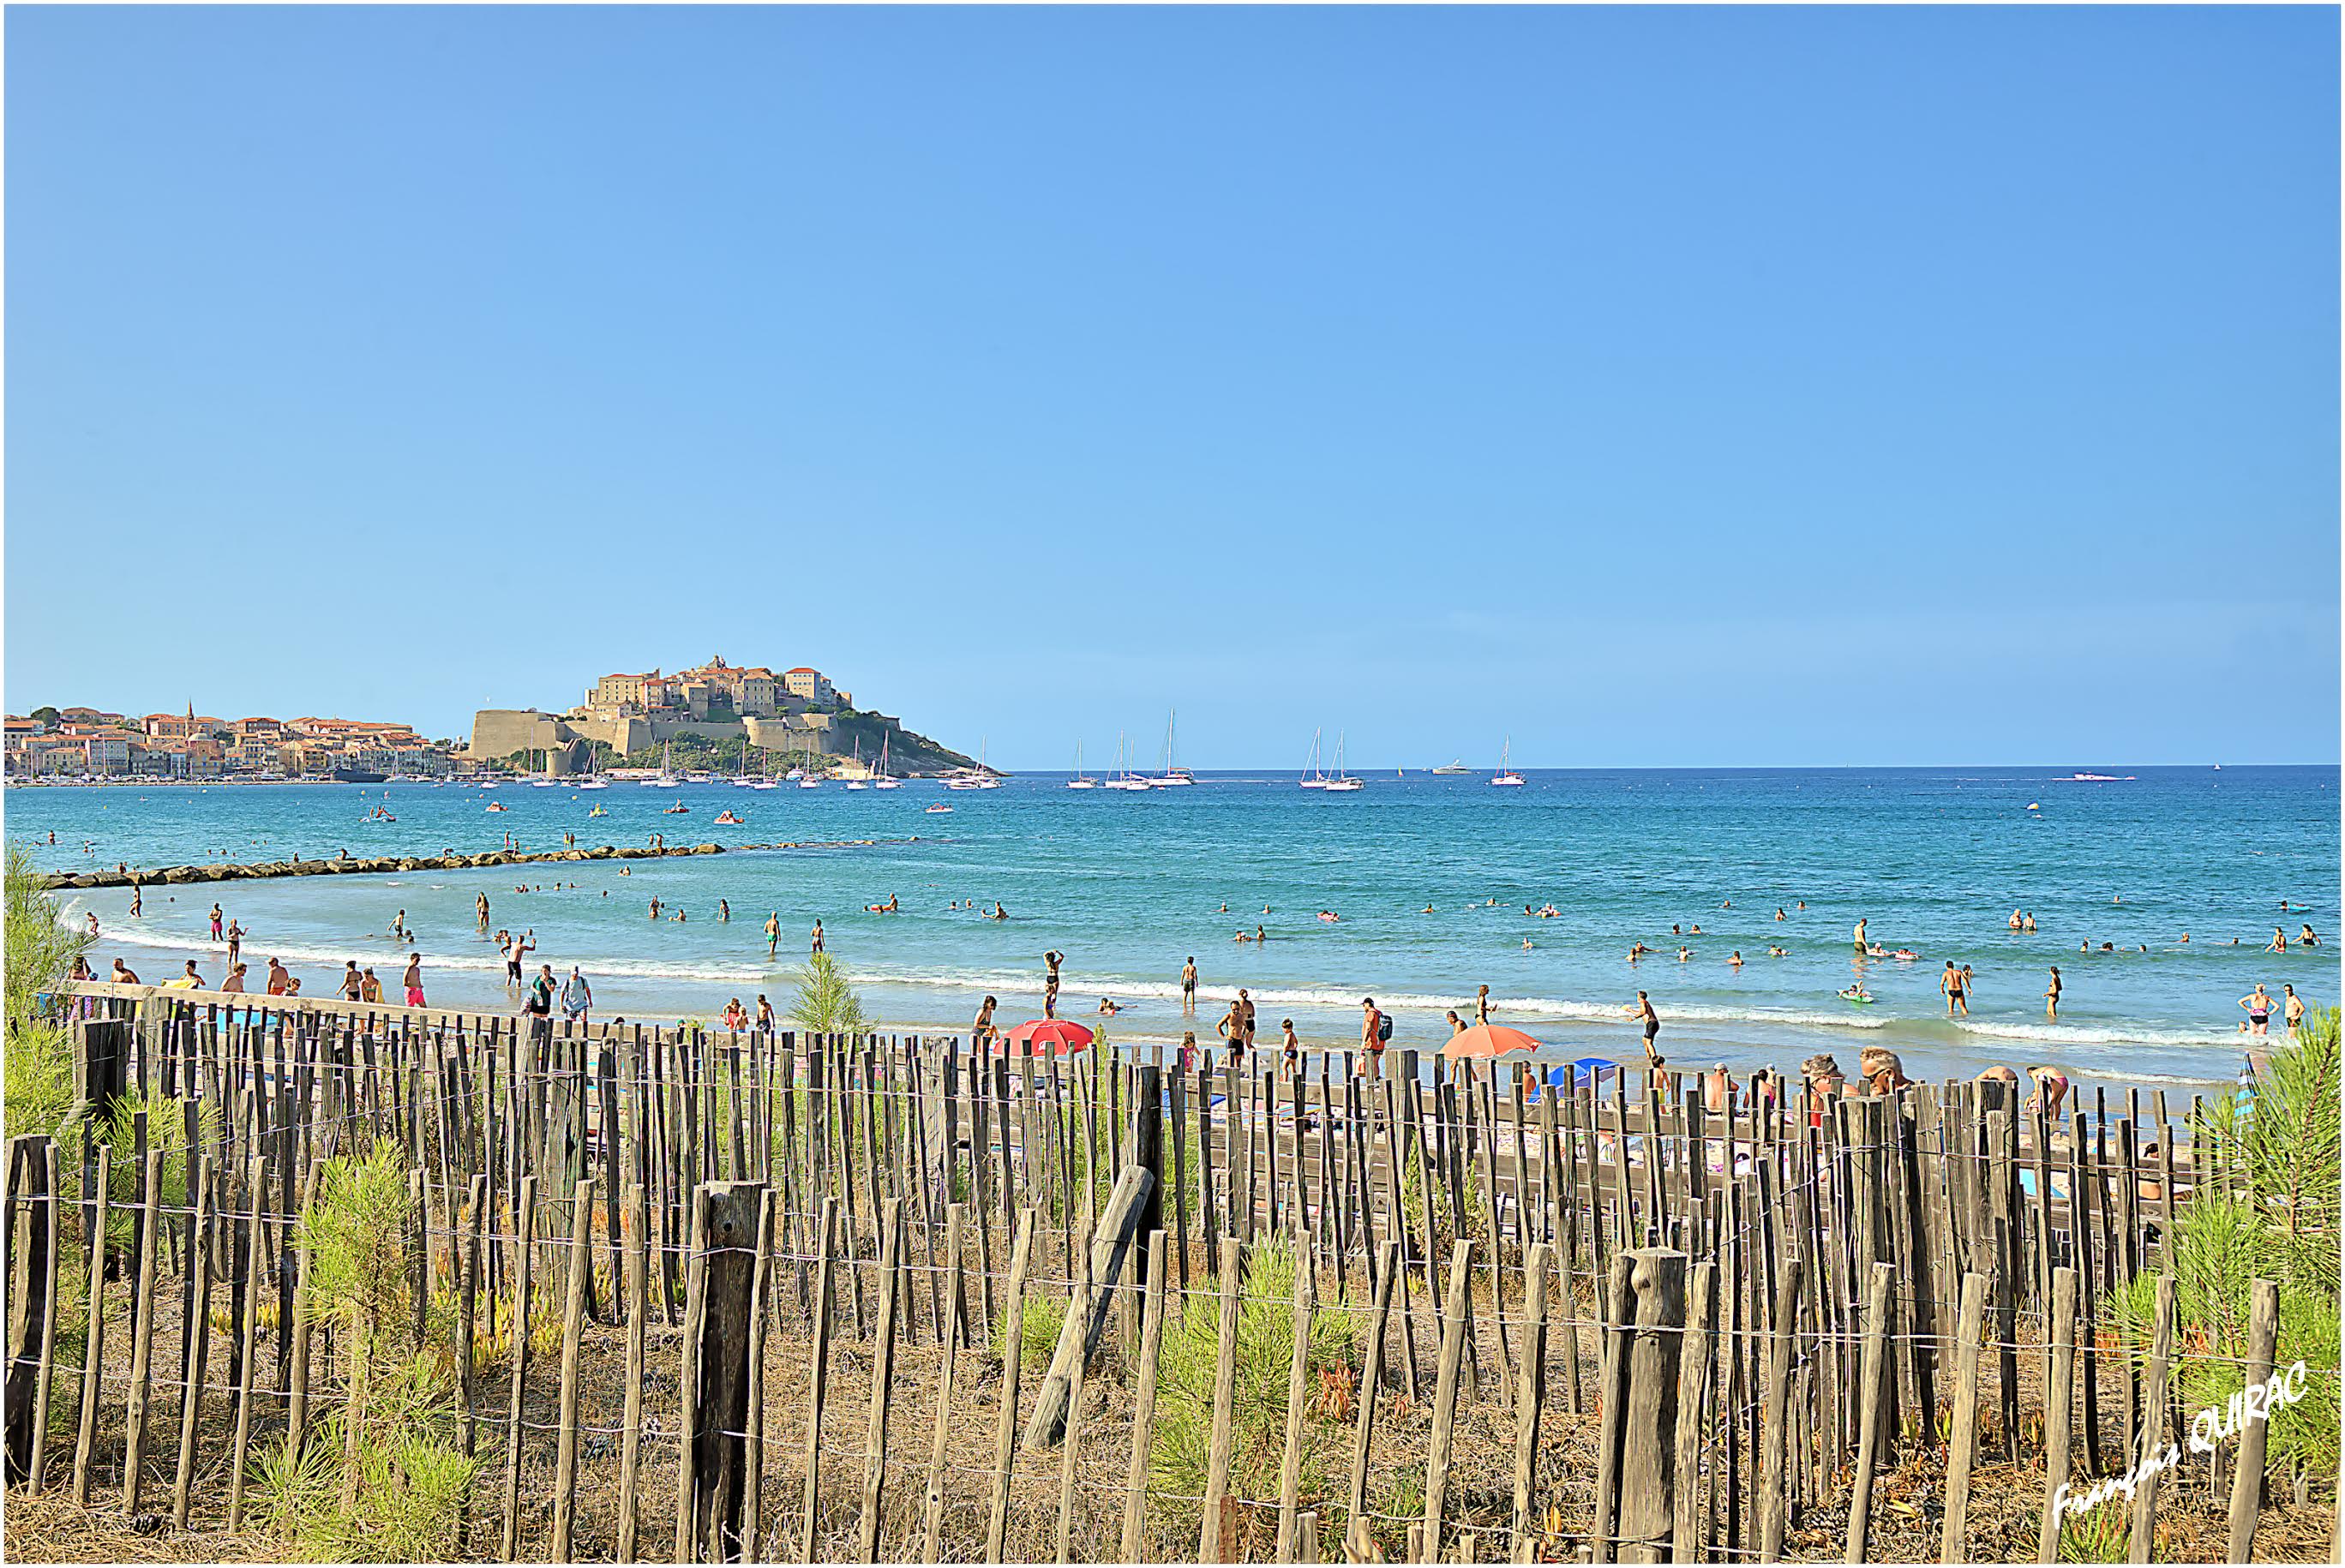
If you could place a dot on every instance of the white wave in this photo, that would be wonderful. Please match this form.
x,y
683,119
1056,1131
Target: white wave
x,y
2083,1036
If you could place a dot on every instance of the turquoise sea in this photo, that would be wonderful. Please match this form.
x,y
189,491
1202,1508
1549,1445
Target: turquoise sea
x,y
1128,884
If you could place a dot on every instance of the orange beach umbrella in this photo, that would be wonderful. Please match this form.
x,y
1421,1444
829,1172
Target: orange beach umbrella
x,y
1039,1036
1488,1040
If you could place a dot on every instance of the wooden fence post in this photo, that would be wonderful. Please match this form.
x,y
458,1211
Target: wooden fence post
x,y
2154,1399
2247,1474
32,1247
1648,1416
2057,1404
717,1342
1961,1451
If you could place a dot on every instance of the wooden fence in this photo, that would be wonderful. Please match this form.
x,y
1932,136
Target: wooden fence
x,y
1566,1324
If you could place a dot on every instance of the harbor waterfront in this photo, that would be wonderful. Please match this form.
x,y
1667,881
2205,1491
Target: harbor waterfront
x,y
1428,880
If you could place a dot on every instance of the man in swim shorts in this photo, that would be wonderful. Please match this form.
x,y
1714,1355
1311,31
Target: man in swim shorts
x,y
1950,983
1189,988
1652,1022
413,979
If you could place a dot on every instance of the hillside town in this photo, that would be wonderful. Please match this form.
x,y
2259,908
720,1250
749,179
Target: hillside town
x,y
715,713
73,745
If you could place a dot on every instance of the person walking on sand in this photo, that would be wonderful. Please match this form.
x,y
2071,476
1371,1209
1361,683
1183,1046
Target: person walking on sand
x,y
1051,960
1189,988
982,1030
412,981
354,983
2052,994
2291,1009
1642,1011
1375,1030
1231,1028
2259,1005
577,996
773,934
1949,983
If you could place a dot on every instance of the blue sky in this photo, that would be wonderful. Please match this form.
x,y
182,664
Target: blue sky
x,y
1653,386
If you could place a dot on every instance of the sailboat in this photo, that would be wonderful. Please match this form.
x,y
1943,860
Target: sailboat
x,y
1456,766
1313,778
1343,783
1080,780
1505,777
884,781
858,783
668,779
1174,774
1124,779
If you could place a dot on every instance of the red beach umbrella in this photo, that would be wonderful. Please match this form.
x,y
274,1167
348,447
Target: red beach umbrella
x,y
1488,1040
1039,1037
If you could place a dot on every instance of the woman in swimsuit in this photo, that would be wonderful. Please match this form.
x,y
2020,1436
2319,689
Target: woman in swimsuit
x,y
2259,1005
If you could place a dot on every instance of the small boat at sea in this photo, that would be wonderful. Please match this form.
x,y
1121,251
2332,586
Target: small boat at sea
x,y
885,780
937,808
1454,765
1343,783
1080,780
1313,777
1506,777
1174,776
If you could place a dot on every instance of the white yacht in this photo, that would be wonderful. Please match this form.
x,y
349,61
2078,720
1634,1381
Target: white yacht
x,y
1081,779
1505,777
1343,783
1313,778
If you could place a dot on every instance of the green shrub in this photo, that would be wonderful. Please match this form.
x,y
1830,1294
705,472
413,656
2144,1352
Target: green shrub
x,y
1265,1348
826,1002
2282,1227
41,950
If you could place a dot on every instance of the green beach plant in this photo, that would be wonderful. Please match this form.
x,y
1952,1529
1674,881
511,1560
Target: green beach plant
x,y
2279,1221
1186,1363
41,950
825,1002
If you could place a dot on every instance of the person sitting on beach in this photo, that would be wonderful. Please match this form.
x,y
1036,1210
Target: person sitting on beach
x,y
1883,1070
1716,1089
188,980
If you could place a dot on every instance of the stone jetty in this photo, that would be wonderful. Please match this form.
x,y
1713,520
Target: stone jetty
x,y
363,864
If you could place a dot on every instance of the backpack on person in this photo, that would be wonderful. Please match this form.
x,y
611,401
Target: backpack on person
x,y
1384,1028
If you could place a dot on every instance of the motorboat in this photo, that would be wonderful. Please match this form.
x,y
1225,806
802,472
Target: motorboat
x,y
1454,765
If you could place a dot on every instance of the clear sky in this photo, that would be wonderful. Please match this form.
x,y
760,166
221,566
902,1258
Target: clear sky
x,y
1653,386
